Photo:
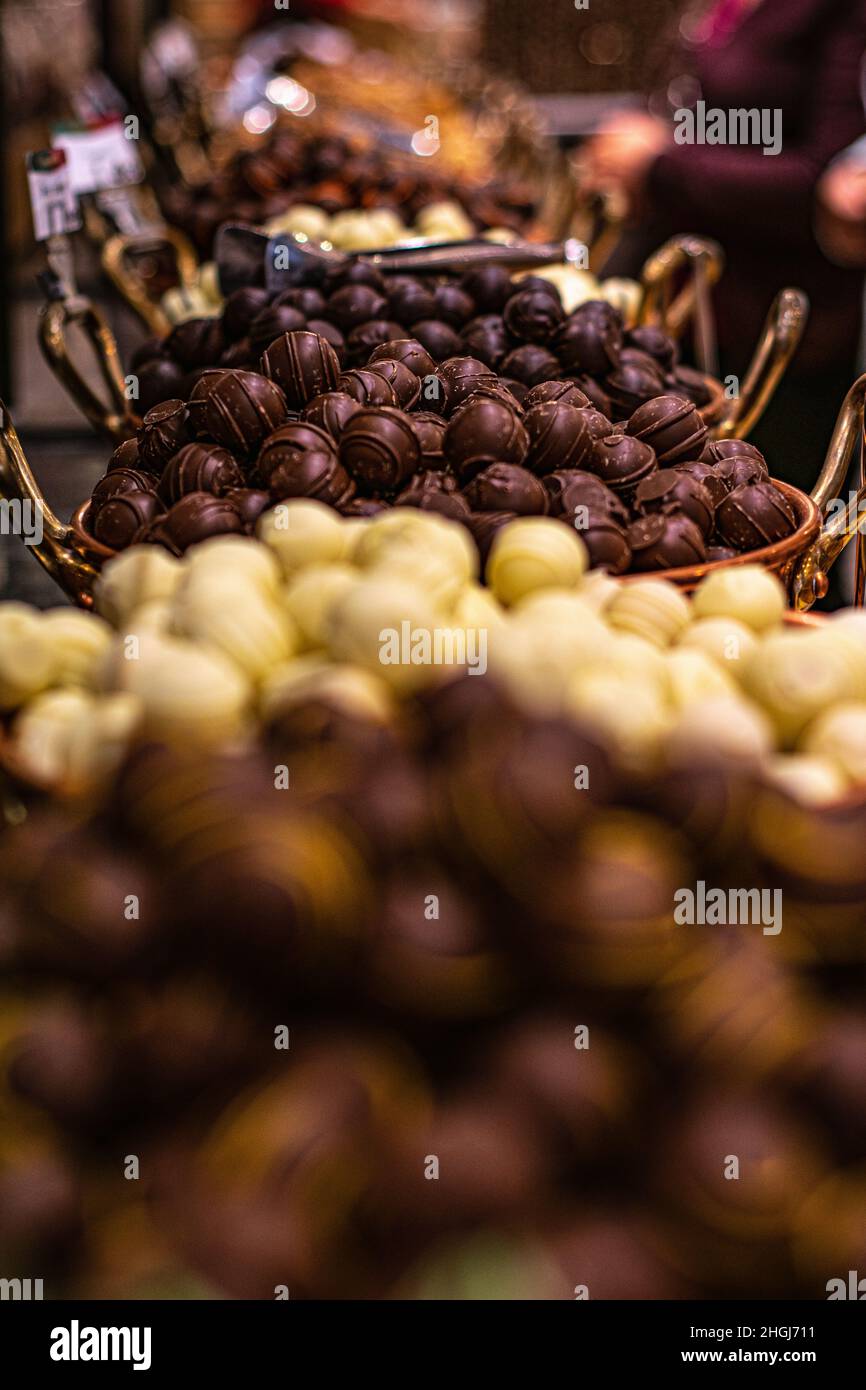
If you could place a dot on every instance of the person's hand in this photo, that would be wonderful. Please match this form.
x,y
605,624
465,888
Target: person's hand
x,y
840,213
617,159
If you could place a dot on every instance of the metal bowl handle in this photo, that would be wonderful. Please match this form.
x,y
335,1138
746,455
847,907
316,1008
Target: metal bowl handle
x,y
707,261
131,285
808,581
57,551
783,330
113,416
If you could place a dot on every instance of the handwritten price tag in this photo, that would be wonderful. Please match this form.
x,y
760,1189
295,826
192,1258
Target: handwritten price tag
x,y
99,158
55,210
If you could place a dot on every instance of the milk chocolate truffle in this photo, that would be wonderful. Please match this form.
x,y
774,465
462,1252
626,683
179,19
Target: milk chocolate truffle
x,y
408,351
668,489
460,376
298,437
531,364
672,426
629,386
124,456
330,412
303,365
558,437
589,341
654,341
533,315
379,449
755,515
506,487
598,425
118,481
315,473
485,526
195,343
198,395
664,541
566,391
487,339
331,334
164,430
122,518
403,381
249,503
737,469
410,300
240,309
363,340
355,304
243,408
310,301
717,449
367,387
434,492
199,468
271,323
483,431
430,432
622,462
708,477
158,380
496,392
490,286
453,305
194,518
437,338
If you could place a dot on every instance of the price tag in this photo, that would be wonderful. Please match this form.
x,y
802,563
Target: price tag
x,y
52,200
99,158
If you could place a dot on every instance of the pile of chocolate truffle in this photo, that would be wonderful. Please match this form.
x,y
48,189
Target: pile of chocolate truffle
x,y
334,173
416,1021
525,411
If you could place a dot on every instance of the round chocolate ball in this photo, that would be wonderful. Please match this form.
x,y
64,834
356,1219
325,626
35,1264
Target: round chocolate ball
x,y
755,515
243,408
379,449
622,462
566,391
271,323
330,412
630,385
164,429
249,503
460,376
121,519
598,425
240,309
310,301
606,540
124,456
717,449
315,473
483,431
706,474
430,433
408,351
531,363
453,305
355,304
589,341
239,354
118,481
299,436
410,300
303,365
197,398
665,541
672,426
161,379
437,338
195,518
686,381
490,286
363,340
195,343
559,437
486,338
654,341
367,387
533,315
568,489
199,468
670,488
403,381
737,469
433,491
355,273
331,334
506,487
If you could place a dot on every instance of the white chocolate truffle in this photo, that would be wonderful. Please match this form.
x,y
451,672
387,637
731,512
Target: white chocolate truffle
x,y
692,675
839,736
728,641
631,718
795,675
721,728
386,624
309,598
634,659
476,607
538,657
534,552
71,741
28,658
650,608
446,218
351,688
237,555
139,574
80,642
748,592
304,219
233,615
190,695
598,589
811,780
302,532
436,553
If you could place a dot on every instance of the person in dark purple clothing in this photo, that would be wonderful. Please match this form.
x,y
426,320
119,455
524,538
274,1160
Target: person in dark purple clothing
x,y
795,65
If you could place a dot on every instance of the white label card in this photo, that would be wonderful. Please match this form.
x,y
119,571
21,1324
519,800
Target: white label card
x,y
54,206
100,158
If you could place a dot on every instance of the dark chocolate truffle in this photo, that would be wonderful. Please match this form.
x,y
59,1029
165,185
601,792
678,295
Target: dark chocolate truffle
x,y
379,449
363,340
670,488
303,365
717,449
331,334
249,503
755,515
533,315
630,385
315,473
124,456
737,469
487,339
605,539
573,488
437,338
161,379
198,396
622,462
367,387
665,541
485,526
531,363
490,286
199,468
589,341
559,437
330,411
672,426
121,519
164,429
409,300
195,343
566,391
453,305
271,323
295,438
195,518
460,376
355,304
433,491
404,383
506,487
654,341
309,300
430,432
243,408
707,475
483,431
408,351
118,481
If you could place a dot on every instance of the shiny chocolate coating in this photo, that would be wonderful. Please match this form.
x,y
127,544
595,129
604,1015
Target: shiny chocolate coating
x,y
199,468
331,334
717,449
297,437
630,385
439,339
408,351
566,391
622,462
118,481
737,469
755,515
707,475
330,412
271,323
380,449
686,381
164,429
531,364
161,379
589,341
355,304
571,488
195,405
672,426
486,338
484,431
243,408
453,305
598,425
460,376
121,519
363,340
310,301
315,473
410,300
506,487
433,491
303,365
559,437
430,432
367,387
664,541
249,503
195,518
239,354
605,539
669,488
656,343
124,456
485,526
490,286
404,383
533,315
